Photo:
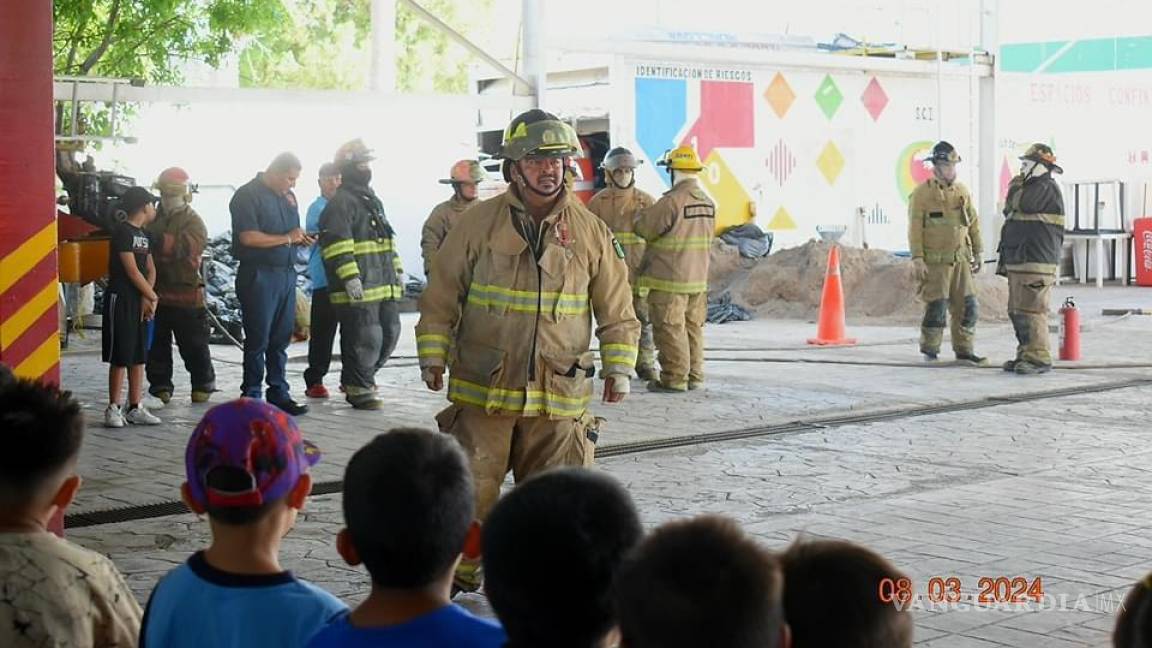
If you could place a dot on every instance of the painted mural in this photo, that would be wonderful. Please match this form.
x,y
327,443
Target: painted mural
x,y
794,149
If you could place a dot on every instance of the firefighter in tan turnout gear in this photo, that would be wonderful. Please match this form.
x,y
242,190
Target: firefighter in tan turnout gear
x,y
678,230
618,205
508,309
465,178
944,239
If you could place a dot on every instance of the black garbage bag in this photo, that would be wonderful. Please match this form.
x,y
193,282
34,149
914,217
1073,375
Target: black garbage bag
x,y
722,310
752,241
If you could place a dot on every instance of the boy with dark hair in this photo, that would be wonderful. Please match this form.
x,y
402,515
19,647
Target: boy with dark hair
x,y
701,582
247,469
1134,623
54,592
552,548
129,302
831,599
408,504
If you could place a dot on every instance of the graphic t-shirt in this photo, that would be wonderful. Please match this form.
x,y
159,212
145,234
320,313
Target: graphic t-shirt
x,y
55,593
449,627
126,237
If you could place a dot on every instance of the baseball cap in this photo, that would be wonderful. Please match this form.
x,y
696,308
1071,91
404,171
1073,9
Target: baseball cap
x,y
244,454
135,198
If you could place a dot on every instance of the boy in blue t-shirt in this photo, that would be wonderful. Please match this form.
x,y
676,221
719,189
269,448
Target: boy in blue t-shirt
x,y
408,506
247,468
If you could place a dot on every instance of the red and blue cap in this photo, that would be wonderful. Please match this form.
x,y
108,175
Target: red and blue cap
x,y
244,454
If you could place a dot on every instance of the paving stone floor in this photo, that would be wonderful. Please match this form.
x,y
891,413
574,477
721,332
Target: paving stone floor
x,y
1052,489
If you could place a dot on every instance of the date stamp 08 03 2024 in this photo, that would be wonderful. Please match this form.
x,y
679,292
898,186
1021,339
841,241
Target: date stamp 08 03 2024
x,y
950,589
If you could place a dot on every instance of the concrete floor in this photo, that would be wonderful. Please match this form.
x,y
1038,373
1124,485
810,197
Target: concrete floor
x,y
1046,489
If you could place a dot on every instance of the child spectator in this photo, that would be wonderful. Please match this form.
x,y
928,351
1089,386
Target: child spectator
x,y
701,582
1134,624
129,302
247,469
831,597
54,592
408,506
551,551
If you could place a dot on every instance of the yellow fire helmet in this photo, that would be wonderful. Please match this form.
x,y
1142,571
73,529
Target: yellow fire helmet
x,y
681,158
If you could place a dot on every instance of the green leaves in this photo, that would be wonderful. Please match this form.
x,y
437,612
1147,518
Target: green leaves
x,y
321,44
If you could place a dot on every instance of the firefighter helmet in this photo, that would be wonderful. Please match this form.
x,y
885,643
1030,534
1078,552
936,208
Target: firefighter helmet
x,y
465,171
681,158
1042,153
620,158
944,152
173,181
354,151
541,134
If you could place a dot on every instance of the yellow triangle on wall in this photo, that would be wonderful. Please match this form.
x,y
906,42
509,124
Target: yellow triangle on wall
x,y
782,220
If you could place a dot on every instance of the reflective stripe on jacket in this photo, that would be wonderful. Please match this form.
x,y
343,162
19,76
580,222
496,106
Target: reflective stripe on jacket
x,y
356,240
678,229
514,323
1032,239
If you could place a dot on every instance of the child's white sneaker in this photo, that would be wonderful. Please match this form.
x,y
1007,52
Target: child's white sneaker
x,y
140,415
113,417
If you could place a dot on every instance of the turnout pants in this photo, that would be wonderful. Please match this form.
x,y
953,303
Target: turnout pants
x,y
647,357
267,297
190,328
525,445
368,336
325,321
678,330
947,290
1029,294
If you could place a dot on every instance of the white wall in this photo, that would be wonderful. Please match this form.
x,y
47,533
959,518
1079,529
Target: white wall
x,y
416,140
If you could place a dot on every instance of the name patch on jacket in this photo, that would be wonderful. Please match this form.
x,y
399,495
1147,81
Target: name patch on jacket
x,y
699,210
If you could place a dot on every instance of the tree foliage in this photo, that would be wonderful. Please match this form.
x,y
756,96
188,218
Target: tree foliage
x,y
321,44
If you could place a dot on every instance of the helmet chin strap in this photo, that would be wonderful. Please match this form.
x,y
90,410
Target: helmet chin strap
x,y
523,182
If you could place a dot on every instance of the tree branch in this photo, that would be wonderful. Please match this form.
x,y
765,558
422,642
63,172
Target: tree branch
x,y
94,58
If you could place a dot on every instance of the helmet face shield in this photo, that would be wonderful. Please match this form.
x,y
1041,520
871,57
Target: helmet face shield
x,y
546,138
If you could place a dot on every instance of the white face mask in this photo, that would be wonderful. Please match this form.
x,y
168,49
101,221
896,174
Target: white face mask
x,y
172,203
1032,168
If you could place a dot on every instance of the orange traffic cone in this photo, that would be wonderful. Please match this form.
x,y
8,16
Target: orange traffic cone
x,y
830,330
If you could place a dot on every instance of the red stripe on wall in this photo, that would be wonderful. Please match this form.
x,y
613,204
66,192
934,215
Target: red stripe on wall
x,y
29,285
32,338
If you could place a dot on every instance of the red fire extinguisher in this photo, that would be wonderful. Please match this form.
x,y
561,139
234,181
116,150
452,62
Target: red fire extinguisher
x,y
1069,331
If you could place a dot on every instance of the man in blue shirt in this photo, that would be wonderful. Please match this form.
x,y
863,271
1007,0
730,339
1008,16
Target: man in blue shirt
x,y
265,226
324,320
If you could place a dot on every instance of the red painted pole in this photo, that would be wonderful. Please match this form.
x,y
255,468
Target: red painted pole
x,y
27,186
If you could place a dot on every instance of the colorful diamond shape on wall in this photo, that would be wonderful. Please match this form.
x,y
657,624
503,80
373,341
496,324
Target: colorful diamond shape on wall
x,y
875,100
782,220
724,187
830,162
829,97
781,162
779,95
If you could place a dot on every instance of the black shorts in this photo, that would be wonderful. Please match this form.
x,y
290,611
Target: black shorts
x,y
123,336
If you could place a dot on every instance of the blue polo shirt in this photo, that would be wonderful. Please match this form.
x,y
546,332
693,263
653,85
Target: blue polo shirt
x,y
315,261
449,627
255,207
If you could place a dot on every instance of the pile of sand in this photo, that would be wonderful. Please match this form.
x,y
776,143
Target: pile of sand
x,y
877,284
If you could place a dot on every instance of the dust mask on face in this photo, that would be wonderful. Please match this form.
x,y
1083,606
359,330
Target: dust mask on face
x,y
945,172
173,202
1032,169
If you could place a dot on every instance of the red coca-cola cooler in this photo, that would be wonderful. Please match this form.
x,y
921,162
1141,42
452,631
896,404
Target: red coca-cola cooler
x,y
1142,244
